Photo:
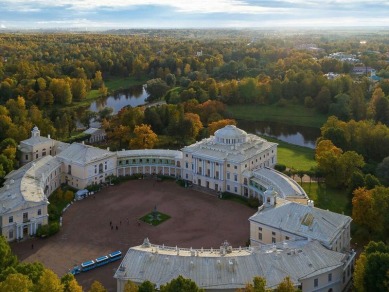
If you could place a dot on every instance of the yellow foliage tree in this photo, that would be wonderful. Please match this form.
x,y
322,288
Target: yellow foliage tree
x,y
213,127
97,287
49,281
144,137
16,283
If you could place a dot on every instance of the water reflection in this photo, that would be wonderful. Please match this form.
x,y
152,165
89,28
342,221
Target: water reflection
x,y
134,96
297,135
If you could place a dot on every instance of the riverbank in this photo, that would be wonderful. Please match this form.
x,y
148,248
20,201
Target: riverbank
x,y
112,84
291,114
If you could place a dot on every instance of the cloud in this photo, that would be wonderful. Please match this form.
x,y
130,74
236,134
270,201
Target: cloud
x,y
2,26
193,6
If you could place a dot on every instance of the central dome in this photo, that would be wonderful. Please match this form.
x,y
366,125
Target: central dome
x,y
230,135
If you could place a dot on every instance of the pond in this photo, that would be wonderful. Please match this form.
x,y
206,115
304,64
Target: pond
x,y
133,96
297,135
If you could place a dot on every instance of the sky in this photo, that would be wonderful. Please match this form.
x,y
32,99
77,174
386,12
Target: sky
x,y
111,14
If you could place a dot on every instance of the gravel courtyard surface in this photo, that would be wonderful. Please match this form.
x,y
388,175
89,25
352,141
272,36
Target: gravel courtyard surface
x,y
197,220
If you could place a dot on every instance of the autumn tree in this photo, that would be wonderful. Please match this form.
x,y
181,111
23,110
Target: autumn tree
x,y
371,269
70,284
16,283
97,287
213,127
130,287
180,284
286,286
156,88
144,137
49,281
259,285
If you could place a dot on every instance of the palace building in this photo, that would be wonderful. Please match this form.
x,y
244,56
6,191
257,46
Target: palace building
x,y
288,235
230,161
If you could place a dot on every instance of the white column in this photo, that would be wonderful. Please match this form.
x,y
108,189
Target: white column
x,y
21,231
220,172
203,168
17,232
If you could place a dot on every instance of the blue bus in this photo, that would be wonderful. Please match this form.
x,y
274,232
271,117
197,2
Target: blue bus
x,y
101,261
89,265
114,256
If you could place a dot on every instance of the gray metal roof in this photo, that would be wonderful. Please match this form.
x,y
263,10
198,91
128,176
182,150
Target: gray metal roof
x,y
302,220
208,147
83,154
24,187
156,153
282,184
36,140
213,270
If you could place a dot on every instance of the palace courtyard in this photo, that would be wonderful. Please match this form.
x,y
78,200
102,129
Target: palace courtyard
x,y
197,220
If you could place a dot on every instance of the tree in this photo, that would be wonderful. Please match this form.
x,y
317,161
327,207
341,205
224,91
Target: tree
x,y
78,89
7,259
371,270
49,282
147,286
156,88
285,286
383,171
323,100
259,286
16,283
61,91
213,127
130,287
359,273
362,212
70,284
180,284
97,287
144,137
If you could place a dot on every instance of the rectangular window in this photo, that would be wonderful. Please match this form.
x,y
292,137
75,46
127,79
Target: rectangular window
x,y
39,212
235,177
286,237
25,217
260,228
235,167
10,219
329,277
260,236
26,157
228,187
236,189
228,165
11,234
217,175
228,175
273,240
186,164
186,155
186,176
273,233
315,282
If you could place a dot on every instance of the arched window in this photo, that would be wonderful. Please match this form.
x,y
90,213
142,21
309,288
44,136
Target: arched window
x,y
101,170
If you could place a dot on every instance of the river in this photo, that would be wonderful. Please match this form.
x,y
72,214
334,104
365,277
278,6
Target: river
x,y
137,95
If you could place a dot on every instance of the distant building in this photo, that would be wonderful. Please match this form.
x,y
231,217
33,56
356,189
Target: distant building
x,y
363,70
96,135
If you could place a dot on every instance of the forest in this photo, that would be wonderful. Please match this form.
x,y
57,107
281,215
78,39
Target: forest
x,y
47,78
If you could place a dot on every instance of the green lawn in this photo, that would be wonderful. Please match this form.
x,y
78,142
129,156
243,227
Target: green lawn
x,y
291,114
293,156
122,83
158,219
327,198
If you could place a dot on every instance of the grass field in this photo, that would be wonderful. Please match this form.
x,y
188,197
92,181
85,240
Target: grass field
x,y
293,156
291,114
327,198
